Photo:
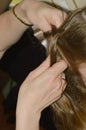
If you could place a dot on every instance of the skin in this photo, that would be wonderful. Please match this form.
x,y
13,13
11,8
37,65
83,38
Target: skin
x,y
32,12
45,84
41,88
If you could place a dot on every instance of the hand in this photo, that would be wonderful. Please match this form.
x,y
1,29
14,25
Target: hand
x,y
42,15
43,86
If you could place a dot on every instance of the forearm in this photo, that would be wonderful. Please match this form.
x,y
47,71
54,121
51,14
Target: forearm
x,y
11,30
33,12
27,119
28,124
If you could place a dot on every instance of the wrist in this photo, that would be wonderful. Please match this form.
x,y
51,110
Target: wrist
x,y
19,12
27,120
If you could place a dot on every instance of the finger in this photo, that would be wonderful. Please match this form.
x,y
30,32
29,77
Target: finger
x,y
57,68
57,91
44,25
59,18
64,15
63,76
61,82
64,84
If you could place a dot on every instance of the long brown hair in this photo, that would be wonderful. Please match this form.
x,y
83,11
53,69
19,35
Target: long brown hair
x,y
69,42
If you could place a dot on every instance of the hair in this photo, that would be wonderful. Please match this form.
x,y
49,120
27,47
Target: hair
x,y
69,43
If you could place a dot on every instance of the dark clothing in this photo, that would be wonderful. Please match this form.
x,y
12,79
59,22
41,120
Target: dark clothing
x,y
19,61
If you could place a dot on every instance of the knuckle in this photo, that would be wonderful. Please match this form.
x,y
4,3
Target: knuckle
x,y
61,13
60,87
31,74
50,78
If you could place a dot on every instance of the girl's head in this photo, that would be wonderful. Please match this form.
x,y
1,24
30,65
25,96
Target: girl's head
x,y
69,43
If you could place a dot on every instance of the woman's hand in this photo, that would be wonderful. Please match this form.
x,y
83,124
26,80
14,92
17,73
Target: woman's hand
x,y
32,12
41,15
41,88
